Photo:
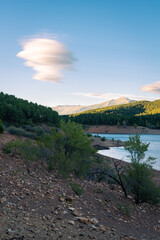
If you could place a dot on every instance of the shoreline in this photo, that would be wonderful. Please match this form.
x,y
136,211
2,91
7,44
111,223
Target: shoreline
x,y
124,163
106,129
99,144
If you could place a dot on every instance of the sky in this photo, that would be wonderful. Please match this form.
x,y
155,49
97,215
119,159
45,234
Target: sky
x,y
81,52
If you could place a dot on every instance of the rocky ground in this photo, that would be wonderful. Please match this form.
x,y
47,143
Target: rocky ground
x,y
42,206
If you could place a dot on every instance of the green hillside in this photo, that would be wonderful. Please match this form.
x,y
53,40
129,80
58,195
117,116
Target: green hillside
x,y
18,111
142,113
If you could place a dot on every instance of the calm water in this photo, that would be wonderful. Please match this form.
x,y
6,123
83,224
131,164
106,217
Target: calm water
x,y
120,153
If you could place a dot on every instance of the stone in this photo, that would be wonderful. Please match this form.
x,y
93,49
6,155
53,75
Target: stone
x,y
71,222
82,219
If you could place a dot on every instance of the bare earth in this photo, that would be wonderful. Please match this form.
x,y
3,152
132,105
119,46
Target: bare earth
x,y
42,206
120,130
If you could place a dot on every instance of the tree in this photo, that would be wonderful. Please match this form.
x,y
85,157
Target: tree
x,y
139,175
70,149
136,148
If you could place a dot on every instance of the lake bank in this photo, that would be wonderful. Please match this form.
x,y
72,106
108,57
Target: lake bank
x,y
99,144
121,130
118,152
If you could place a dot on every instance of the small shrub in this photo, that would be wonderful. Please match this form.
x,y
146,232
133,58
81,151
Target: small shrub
x,y
89,135
118,124
125,208
140,183
135,125
20,132
10,147
27,149
103,139
76,189
70,149
51,165
39,131
100,191
6,149
1,127
16,172
28,128
15,131
139,176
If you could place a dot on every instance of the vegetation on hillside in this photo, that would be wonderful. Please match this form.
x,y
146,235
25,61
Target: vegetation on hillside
x,y
67,150
142,113
18,112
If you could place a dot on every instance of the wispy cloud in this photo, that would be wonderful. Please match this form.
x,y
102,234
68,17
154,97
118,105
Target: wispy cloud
x,y
109,96
154,88
47,57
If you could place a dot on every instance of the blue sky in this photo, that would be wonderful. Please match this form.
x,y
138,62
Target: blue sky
x,y
106,49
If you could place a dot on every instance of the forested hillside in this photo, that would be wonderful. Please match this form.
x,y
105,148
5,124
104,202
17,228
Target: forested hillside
x,y
18,111
142,113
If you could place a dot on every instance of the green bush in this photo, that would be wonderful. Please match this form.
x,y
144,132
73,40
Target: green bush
x,y
89,135
1,127
140,183
27,149
39,131
135,125
20,132
67,149
103,139
28,128
70,149
125,208
139,176
76,189
6,149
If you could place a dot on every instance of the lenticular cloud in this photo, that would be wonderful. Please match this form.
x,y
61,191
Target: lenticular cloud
x,y
47,57
154,88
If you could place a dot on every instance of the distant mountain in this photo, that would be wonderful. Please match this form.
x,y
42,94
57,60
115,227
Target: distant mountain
x,y
71,109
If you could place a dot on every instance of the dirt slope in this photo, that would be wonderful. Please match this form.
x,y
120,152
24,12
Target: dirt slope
x,y
42,206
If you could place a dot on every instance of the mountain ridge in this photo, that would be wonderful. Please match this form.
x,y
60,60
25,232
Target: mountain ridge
x,y
72,109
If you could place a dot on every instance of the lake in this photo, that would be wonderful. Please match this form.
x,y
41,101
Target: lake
x,y
120,153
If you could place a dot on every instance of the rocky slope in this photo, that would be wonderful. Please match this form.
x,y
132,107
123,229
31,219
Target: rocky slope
x,y
42,206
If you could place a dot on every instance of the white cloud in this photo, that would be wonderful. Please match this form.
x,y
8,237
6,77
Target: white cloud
x,y
109,96
154,88
47,57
